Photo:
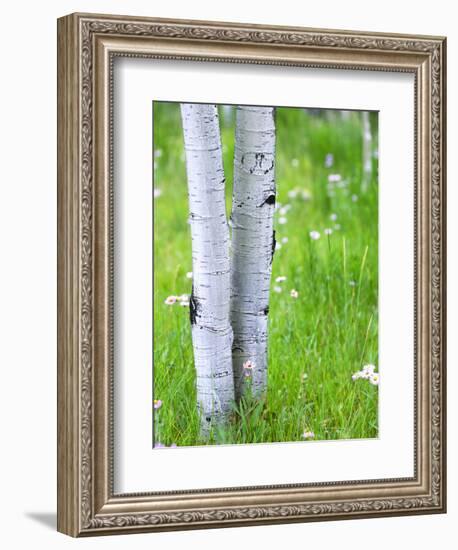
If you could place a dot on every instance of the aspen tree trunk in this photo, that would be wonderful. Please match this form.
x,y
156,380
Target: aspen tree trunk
x,y
367,150
209,305
253,244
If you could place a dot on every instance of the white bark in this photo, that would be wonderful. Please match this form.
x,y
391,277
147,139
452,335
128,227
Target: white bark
x,y
211,329
253,243
367,150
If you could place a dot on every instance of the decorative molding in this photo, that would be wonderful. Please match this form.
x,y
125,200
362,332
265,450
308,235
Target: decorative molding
x,y
260,513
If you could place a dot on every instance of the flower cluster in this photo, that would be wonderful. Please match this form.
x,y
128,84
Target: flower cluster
x,y
159,445
368,373
300,193
182,300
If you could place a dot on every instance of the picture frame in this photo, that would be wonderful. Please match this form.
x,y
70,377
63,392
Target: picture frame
x,y
87,46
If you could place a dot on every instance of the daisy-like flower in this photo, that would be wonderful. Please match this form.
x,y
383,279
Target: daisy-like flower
x,y
295,163
329,160
283,211
334,178
284,240
248,367
157,404
374,378
277,289
294,293
328,231
292,194
170,300
370,369
157,193
333,217
280,279
315,235
352,283
282,220
367,373
308,435
278,246
305,376
189,275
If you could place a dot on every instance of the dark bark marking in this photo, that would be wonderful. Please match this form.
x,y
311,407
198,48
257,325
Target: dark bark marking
x,y
270,200
265,311
193,308
274,243
257,163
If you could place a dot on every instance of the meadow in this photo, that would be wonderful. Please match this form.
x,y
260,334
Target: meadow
x,y
323,320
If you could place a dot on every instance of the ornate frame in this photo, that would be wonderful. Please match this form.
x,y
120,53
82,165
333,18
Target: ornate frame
x,y
87,44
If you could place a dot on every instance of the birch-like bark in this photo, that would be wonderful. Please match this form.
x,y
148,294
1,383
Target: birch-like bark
x,y
253,244
367,150
209,311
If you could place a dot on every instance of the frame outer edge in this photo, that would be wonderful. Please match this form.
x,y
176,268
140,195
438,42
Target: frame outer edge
x,y
68,277
76,421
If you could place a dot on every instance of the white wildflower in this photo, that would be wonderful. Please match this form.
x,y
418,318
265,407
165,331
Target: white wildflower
x,y
308,435
295,163
333,217
280,279
294,293
277,289
306,195
369,369
328,231
157,193
282,220
367,373
374,379
170,300
334,178
329,160
189,275
284,240
315,235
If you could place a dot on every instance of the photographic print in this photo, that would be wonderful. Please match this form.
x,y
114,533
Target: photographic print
x,y
265,274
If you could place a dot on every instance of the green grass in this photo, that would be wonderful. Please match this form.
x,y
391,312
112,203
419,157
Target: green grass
x,y
317,341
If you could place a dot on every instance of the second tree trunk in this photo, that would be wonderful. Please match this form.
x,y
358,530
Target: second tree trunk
x,y
253,244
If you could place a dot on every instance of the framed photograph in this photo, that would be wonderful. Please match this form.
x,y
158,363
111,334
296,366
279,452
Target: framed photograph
x,y
251,290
